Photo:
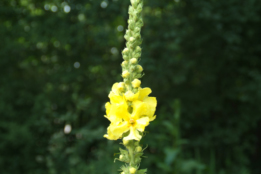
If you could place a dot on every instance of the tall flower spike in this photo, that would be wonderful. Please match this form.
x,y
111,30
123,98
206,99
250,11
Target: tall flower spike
x,y
130,108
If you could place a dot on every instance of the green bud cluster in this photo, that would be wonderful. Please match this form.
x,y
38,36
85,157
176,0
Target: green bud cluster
x,y
131,54
132,157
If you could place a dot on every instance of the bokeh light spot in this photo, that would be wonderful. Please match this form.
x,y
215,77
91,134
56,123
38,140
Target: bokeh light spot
x,y
76,65
104,4
81,17
67,8
47,7
54,8
120,28
67,128
114,50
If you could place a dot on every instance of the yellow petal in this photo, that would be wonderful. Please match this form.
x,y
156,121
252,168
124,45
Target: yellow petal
x,y
151,103
153,118
134,135
115,131
108,107
142,123
144,92
139,109
118,112
118,130
115,98
121,111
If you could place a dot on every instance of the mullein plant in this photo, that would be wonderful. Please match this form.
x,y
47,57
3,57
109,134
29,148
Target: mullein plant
x,y
130,108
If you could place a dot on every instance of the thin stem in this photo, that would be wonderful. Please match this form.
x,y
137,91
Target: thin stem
x,y
131,153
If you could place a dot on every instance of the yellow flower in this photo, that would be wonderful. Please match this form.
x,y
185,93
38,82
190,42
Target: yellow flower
x,y
122,121
129,113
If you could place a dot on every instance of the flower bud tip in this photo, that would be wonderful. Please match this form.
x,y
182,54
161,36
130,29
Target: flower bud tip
x,y
132,170
136,83
125,74
133,60
138,149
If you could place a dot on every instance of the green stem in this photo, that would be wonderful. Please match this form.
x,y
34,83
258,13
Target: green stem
x,y
131,153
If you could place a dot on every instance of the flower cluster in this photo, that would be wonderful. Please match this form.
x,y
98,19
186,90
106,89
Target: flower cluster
x,y
129,113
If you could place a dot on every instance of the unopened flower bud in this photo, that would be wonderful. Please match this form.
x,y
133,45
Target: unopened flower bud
x,y
124,63
137,29
133,60
138,149
121,86
125,57
138,48
140,69
136,83
129,95
121,157
133,1
132,170
125,50
125,74
132,39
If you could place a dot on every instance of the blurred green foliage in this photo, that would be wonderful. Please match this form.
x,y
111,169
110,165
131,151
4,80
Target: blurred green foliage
x,y
59,59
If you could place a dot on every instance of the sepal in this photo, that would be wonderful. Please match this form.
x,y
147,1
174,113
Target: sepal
x,y
142,171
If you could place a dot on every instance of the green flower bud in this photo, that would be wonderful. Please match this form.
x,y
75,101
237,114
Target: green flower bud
x,y
134,2
140,69
124,63
132,39
137,29
138,49
125,57
132,68
121,157
138,149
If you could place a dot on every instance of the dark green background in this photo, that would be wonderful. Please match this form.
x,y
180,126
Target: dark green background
x,y
201,58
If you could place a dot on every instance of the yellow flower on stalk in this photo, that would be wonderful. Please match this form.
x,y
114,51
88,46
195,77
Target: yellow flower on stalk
x,y
122,121
129,113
